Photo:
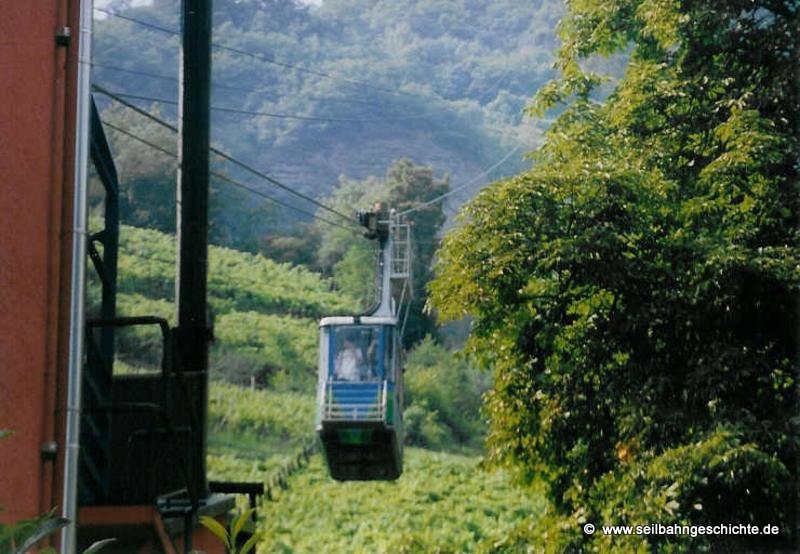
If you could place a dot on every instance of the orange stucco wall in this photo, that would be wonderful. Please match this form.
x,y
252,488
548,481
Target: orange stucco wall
x,y
36,156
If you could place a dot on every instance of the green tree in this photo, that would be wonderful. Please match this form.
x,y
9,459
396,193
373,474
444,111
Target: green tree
x,y
298,246
352,260
635,291
410,187
443,398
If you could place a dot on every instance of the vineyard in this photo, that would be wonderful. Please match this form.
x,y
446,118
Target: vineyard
x,y
261,413
444,502
264,312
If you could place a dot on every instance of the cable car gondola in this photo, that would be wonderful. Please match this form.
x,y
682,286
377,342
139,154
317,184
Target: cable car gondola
x,y
360,389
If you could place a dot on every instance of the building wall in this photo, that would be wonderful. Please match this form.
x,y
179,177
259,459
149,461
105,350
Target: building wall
x,y
37,105
37,137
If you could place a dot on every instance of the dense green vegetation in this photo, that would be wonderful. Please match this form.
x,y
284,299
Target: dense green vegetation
x,y
635,292
352,263
442,83
443,399
238,410
442,503
237,281
257,338
252,433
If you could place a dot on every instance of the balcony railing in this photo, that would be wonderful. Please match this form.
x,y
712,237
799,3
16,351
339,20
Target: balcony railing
x,y
348,401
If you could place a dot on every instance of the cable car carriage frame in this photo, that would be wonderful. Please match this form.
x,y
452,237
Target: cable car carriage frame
x,y
360,387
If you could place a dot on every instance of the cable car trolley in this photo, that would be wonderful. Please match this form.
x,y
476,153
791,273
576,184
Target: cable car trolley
x,y
360,389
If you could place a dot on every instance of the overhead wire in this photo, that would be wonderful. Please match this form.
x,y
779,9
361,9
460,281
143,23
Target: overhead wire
x,y
258,56
462,186
273,115
229,87
223,177
226,156
135,72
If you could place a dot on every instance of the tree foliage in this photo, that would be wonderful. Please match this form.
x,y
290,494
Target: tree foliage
x,y
635,291
443,399
445,84
353,260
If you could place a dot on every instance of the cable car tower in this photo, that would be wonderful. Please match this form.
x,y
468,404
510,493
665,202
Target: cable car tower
x,y
360,389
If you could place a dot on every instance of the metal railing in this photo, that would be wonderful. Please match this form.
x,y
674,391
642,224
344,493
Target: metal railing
x,y
342,409
162,408
401,251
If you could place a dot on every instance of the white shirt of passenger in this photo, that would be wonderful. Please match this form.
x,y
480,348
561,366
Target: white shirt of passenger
x,y
347,363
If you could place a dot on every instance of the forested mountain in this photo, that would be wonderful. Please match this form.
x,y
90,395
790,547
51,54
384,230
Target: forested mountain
x,y
350,85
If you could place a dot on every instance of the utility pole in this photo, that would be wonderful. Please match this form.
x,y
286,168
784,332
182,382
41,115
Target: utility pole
x,y
193,333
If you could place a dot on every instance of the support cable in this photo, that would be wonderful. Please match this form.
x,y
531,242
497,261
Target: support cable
x,y
261,57
226,178
275,115
226,156
462,186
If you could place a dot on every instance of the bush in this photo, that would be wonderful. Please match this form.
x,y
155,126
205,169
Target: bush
x,y
711,482
635,292
443,395
423,428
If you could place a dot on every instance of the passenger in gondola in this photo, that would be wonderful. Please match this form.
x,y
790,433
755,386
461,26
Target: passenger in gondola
x,y
349,361
371,367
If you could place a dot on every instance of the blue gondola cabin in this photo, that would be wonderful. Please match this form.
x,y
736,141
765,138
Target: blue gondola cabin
x,y
359,398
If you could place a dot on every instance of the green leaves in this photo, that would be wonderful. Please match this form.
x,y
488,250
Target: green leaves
x,y
217,529
627,291
99,545
443,399
229,537
238,524
22,536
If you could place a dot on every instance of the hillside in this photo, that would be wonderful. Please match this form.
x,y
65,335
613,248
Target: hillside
x,y
253,433
264,312
348,87
266,334
442,503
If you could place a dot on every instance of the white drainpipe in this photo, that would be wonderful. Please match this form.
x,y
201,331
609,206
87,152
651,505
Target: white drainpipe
x,y
78,280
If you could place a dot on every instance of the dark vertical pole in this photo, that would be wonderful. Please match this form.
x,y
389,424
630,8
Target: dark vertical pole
x,y
104,165
193,333
98,373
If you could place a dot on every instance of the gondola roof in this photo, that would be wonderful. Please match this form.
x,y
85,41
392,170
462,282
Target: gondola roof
x,y
358,320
